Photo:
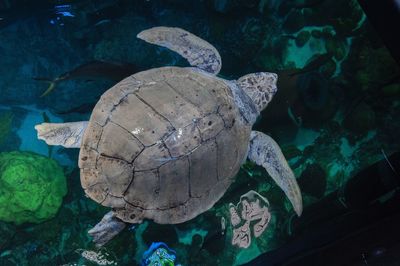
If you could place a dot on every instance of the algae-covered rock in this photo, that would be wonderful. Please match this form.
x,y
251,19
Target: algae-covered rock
x,y
31,187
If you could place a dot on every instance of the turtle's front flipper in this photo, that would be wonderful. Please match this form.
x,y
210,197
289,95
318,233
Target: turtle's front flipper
x,y
68,135
197,51
106,229
265,151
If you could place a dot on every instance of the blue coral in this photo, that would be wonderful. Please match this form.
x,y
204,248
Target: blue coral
x,y
158,254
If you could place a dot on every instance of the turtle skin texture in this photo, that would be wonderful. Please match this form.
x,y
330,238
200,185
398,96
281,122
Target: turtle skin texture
x,y
163,144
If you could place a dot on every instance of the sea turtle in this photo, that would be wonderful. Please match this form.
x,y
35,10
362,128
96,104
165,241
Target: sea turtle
x,y
166,143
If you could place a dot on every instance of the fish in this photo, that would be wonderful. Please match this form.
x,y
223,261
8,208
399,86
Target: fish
x,y
94,69
63,10
101,22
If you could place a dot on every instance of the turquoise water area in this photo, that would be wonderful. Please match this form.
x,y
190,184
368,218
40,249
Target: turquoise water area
x,y
336,112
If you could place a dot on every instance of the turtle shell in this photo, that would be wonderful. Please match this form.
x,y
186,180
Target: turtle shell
x,y
163,144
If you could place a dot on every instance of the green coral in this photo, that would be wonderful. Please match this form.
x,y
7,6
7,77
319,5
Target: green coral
x,y
5,125
31,187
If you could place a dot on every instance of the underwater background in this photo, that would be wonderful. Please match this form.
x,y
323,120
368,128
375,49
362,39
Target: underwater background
x,y
336,113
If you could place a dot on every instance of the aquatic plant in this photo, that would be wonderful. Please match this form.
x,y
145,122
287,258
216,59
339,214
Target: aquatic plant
x,y
31,187
6,119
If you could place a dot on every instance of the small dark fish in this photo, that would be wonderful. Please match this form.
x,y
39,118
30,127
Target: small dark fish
x,y
81,109
93,69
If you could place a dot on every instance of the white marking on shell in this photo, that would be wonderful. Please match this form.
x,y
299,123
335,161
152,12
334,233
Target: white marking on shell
x,y
137,130
180,132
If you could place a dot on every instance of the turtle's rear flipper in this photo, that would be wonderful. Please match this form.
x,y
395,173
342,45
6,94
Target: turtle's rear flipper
x,y
68,135
197,51
106,229
265,151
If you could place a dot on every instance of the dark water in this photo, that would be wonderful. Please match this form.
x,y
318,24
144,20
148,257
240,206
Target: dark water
x,y
336,113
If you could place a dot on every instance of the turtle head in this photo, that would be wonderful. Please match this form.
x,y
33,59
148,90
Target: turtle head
x,y
260,87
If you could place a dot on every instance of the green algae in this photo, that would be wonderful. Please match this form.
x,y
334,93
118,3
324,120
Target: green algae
x,y
31,187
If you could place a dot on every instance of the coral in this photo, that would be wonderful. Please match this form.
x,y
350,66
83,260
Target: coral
x,y
250,211
158,254
97,257
31,187
6,119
